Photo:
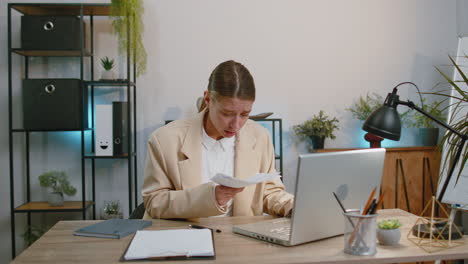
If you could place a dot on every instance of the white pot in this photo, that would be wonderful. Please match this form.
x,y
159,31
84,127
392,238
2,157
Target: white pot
x,y
55,199
106,216
107,75
389,237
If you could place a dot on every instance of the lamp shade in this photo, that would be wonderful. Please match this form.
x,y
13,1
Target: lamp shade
x,y
384,122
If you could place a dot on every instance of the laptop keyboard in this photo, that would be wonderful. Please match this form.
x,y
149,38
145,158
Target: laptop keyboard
x,y
282,232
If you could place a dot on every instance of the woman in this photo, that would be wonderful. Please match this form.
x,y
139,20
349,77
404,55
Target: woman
x,y
185,154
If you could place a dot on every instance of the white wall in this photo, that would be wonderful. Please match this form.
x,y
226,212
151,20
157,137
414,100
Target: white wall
x,y
305,56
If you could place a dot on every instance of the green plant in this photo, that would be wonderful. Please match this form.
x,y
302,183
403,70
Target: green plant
x,y
389,224
319,125
128,15
112,207
420,120
58,181
32,234
365,106
107,63
458,119
368,104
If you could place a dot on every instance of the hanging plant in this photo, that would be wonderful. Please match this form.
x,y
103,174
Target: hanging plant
x,y
130,12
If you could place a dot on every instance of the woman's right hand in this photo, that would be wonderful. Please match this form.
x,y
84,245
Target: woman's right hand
x,y
224,194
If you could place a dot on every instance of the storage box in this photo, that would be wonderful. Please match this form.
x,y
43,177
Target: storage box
x,y
50,32
54,104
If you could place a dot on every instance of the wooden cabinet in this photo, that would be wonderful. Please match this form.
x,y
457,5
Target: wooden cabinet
x,y
410,177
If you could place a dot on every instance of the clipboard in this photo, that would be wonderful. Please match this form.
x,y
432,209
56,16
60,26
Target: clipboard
x,y
175,256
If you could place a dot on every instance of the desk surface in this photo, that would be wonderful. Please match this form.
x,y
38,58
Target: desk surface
x,y
58,245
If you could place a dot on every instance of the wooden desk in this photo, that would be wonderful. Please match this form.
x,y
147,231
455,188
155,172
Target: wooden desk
x,y
58,245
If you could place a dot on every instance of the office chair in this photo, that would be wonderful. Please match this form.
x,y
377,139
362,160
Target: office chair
x,y
138,213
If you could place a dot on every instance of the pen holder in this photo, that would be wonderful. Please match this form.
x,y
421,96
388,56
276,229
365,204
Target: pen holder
x,y
360,233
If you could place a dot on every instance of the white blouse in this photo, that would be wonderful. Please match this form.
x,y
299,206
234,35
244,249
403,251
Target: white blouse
x,y
218,157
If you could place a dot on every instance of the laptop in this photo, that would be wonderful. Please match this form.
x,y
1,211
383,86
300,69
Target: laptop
x,y
316,214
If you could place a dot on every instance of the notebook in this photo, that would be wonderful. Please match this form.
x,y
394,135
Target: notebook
x,y
113,228
169,244
316,214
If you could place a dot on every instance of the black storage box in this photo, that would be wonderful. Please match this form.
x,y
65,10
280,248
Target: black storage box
x,y
120,127
55,104
50,32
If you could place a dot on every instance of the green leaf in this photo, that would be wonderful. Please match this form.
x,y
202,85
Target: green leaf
x,y
389,224
319,125
58,181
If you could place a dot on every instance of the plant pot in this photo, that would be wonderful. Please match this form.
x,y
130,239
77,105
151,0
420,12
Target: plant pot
x,y
106,216
388,237
317,142
107,75
55,199
429,136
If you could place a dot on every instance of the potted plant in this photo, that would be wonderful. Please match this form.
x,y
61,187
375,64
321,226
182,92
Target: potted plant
x,y
458,119
112,210
58,181
108,65
388,232
317,129
428,131
128,15
32,234
364,107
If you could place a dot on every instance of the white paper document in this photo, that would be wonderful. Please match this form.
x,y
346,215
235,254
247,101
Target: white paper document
x,y
171,243
230,181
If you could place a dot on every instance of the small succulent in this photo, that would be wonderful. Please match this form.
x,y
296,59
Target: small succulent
x,y
389,224
107,63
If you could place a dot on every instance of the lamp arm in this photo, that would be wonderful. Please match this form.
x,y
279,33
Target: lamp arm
x,y
411,105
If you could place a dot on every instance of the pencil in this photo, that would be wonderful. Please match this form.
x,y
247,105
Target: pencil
x,y
379,202
369,201
365,211
349,219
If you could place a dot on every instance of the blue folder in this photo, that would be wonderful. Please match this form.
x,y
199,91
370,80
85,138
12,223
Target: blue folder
x,y
113,228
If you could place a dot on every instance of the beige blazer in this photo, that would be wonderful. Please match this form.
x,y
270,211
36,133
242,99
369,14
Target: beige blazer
x,y
172,186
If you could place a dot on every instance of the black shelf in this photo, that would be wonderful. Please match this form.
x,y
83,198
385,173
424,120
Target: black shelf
x,y
276,137
85,204
68,206
62,9
51,53
50,130
123,156
109,83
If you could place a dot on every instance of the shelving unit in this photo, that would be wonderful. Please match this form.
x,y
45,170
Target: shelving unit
x,y
87,141
276,137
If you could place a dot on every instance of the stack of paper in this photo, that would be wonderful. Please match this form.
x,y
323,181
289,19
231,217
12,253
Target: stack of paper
x,y
171,243
230,181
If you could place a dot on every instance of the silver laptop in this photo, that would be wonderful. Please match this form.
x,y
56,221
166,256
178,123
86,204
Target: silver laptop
x,y
317,215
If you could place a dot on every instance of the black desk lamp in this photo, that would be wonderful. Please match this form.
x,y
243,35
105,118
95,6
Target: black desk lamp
x,y
385,122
